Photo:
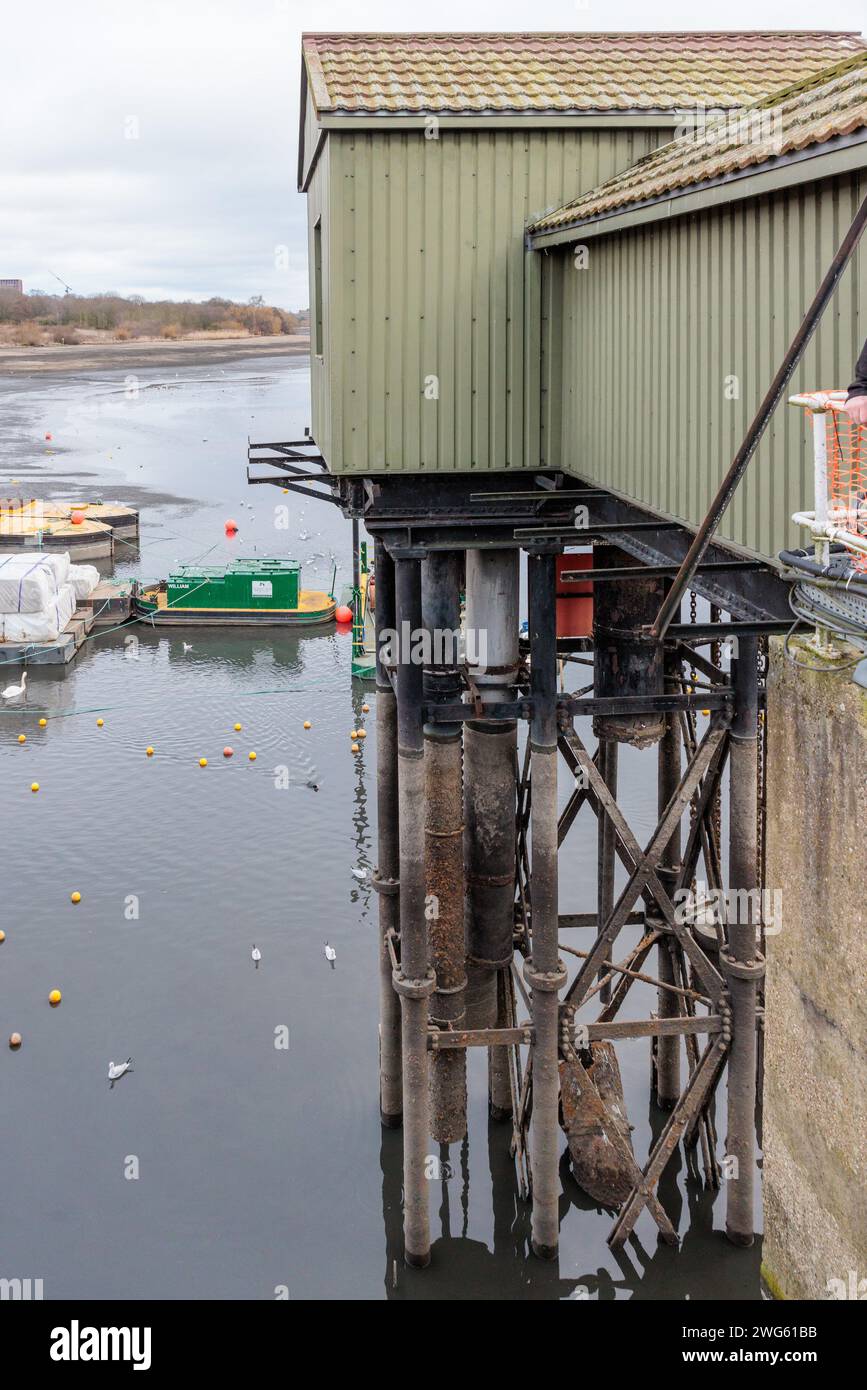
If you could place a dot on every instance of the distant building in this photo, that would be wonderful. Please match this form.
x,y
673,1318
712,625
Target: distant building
x,y
17,286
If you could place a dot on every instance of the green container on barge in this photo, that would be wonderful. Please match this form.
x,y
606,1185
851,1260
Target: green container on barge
x,y
256,592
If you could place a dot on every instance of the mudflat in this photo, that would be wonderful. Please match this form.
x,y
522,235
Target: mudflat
x,y
189,352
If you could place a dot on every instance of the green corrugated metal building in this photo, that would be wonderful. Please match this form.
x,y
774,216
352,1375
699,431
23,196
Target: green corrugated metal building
x,y
674,291
439,341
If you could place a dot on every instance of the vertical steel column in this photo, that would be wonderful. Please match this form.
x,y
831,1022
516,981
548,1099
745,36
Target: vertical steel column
x,y
742,962
605,845
414,981
441,580
490,751
544,971
388,869
668,780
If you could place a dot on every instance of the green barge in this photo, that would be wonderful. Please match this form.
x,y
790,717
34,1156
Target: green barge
x,y
256,593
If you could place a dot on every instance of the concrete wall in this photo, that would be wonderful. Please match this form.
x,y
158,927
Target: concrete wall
x,y
815,1126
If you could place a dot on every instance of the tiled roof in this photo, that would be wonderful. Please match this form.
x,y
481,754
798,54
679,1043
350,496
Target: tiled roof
x,y
466,73
830,105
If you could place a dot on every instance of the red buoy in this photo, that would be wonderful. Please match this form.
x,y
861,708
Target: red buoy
x,y
344,613
48,436
77,518
231,527
228,752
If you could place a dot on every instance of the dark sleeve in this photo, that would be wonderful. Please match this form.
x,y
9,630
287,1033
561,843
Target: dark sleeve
x,y
859,385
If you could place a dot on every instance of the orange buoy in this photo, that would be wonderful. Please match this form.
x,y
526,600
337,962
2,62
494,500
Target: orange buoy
x,y
365,709
353,733
355,748
362,733
228,752
2,937
77,518
343,614
307,724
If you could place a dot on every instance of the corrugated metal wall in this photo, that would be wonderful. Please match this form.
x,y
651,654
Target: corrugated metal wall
x,y
661,320
427,278
320,390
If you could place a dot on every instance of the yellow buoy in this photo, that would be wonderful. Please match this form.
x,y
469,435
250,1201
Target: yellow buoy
x,y
75,897
252,757
22,738
353,733
705,712
34,786
365,709
307,724
149,751
237,728
99,723
355,748
42,723
54,998
15,1041
203,762
362,733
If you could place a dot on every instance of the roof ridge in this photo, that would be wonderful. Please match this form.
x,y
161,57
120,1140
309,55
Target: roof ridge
x,y
575,33
806,84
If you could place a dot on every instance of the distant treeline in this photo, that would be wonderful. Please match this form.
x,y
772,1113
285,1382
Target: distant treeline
x,y
36,317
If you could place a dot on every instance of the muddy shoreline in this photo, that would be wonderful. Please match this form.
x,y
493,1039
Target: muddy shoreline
x,y
129,356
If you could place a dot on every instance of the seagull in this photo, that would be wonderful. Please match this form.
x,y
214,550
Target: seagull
x,y
12,691
360,874
256,956
188,646
330,954
116,1070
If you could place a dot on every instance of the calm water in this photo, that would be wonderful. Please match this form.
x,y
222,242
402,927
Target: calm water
x,y
257,1166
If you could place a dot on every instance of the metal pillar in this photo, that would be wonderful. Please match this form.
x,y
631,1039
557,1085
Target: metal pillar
x,y
625,661
605,841
742,962
668,781
442,574
414,981
387,873
490,754
544,972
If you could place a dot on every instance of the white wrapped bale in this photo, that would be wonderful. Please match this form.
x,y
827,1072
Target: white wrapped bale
x,y
40,627
84,579
59,562
28,583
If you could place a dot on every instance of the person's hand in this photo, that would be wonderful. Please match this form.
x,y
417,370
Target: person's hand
x,y
856,409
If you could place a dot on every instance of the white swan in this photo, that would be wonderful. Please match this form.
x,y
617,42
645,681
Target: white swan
x,y
12,691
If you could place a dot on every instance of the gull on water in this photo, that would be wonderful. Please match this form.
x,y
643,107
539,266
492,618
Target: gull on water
x,y
330,954
360,874
256,956
118,1069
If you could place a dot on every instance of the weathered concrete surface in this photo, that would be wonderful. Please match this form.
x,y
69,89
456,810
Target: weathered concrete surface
x,y
815,1125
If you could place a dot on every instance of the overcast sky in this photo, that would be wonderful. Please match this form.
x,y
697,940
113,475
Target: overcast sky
x,y
197,201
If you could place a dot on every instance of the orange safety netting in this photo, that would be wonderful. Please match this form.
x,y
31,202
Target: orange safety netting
x,y
847,476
